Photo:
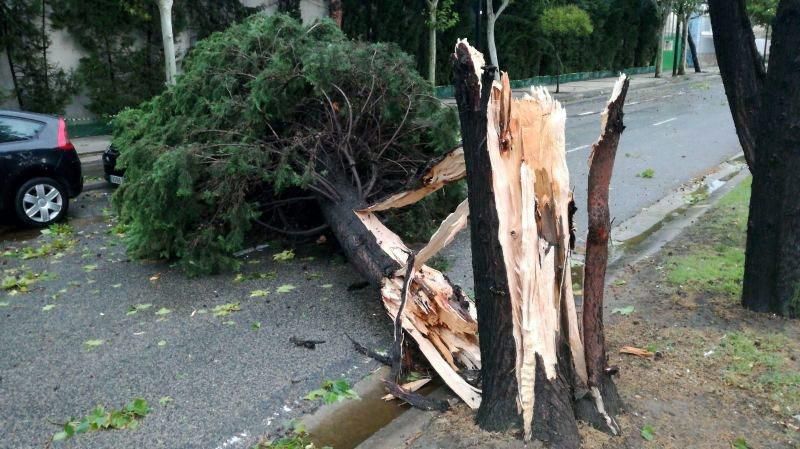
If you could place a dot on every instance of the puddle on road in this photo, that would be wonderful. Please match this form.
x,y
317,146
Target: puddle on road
x,y
358,420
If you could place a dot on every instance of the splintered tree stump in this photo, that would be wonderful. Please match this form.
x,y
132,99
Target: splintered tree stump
x,y
534,365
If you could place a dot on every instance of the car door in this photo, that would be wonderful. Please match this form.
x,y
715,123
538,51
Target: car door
x,y
19,148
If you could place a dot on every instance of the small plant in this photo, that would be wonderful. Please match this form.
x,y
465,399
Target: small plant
x,y
648,173
102,419
333,391
648,433
295,439
739,443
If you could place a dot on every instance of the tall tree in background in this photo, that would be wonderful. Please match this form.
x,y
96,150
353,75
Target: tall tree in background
x,y
762,12
491,21
664,7
335,11
170,64
440,17
766,111
563,22
38,84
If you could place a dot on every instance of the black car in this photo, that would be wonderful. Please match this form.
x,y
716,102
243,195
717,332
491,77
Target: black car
x,y
112,173
39,168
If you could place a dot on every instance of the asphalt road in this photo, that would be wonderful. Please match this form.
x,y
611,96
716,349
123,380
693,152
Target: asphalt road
x,y
230,383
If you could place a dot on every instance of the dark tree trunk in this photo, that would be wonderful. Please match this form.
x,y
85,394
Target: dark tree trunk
x,y
741,69
772,266
45,68
533,361
693,50
14,79
766,112
335,8
357,242
498,410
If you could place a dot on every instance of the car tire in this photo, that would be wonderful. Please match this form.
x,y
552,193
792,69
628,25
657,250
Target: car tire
x,y
40,202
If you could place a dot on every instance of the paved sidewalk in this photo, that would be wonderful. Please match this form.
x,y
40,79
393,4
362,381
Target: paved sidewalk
x,y
91,145
577,91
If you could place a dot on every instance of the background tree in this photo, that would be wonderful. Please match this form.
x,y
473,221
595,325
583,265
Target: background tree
x,y
766,111
38,84
440,17
124,62
762,12
561,23
491,20
663,7
165,12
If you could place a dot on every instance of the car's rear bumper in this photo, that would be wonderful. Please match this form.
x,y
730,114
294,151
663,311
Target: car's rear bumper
x,y
71,173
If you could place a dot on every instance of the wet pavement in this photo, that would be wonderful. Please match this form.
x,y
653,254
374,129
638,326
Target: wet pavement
x,y
231,378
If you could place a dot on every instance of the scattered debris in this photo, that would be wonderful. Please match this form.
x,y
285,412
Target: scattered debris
x,y
309,344
333,391
410,387
639,352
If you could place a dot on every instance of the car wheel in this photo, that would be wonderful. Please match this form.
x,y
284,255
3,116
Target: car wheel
x,y
41,202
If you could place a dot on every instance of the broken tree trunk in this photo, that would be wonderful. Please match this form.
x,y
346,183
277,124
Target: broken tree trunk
x,y
533,362
437,314
601,165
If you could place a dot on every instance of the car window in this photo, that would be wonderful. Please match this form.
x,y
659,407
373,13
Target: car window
x,y
16,129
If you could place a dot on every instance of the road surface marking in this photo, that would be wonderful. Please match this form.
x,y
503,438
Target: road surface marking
x,y
588,113
665,121
578,148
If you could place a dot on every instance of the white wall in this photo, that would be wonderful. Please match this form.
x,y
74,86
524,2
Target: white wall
x,y
66,53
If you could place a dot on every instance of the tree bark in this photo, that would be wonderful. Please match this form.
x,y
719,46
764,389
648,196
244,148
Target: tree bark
x,y
684,37
46,69
335,8
533,365
693,50
498,409
601,166
491,20
741,69
432,13
772,267
766,39
677,48
660,49
170,65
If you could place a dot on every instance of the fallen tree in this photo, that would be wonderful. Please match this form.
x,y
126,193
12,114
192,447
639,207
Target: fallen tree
x,y
270,118
276,128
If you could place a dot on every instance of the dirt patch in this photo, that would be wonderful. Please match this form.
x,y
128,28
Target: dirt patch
x,y
722,377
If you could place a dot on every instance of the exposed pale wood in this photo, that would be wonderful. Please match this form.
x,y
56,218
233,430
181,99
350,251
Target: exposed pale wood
x,y
445,170
440,318
639,352
409,386
447,231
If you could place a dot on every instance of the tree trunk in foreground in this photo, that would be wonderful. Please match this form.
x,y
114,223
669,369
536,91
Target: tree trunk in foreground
x,y
533,364
740,66
165,12
766,113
